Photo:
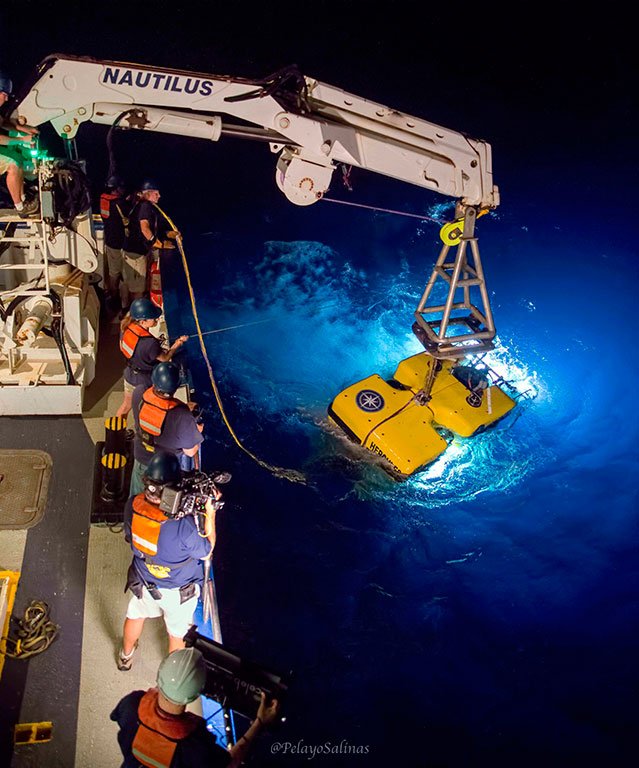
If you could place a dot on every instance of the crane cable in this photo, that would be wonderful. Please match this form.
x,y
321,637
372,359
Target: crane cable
x,y
288,474
383,210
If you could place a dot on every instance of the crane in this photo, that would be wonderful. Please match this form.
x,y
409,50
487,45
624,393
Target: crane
x,y
313,128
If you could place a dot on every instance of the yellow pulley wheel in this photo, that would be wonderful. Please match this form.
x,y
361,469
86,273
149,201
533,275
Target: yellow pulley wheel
x,y
451,233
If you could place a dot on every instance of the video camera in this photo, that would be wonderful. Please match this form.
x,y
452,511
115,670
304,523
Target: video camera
x,y
189,496
233,682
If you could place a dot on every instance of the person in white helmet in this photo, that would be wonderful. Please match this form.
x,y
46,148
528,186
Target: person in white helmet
x,y
10,158
156,730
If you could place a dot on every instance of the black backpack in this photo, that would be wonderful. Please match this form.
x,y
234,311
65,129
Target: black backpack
x,y
71,193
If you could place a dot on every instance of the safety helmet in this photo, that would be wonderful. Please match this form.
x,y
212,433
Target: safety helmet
x,y
144,309
6,86
163,469
149,185
165,378
113,182
182,676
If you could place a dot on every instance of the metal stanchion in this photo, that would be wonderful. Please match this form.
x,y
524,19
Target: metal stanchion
x,y
114,460
115,435
113,476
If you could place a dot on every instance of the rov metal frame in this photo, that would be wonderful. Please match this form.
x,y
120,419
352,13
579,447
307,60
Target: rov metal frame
x,y
438,335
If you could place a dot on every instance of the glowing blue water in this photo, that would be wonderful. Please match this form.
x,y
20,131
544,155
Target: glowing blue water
x,y
483,612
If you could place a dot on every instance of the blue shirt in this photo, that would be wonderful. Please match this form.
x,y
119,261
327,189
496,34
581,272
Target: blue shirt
x,y
181,550
179,430
144,360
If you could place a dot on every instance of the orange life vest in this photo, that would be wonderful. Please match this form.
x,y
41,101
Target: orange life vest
x,y
153,412
146,524
159,733
105,201
130,338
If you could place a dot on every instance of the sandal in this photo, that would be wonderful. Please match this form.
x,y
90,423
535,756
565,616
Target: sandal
x,y
125,662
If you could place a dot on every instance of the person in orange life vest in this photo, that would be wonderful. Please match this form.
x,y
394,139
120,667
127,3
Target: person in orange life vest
x,y
156,730
162,422
10,159
167,569
141,348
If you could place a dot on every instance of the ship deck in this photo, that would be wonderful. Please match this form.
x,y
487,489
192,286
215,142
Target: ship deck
x,y
78,568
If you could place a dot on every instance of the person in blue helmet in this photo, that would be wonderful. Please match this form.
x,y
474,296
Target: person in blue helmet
x,y
163,422
142,350
156,729
10,158
167,569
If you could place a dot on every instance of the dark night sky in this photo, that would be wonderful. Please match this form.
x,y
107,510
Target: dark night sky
x,y
551,73
552,90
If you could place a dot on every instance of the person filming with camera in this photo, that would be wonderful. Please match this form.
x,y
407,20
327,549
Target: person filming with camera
x,y
156,730
170,540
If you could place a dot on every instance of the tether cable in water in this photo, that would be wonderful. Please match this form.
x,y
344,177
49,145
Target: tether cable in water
x,y
231,327
288,474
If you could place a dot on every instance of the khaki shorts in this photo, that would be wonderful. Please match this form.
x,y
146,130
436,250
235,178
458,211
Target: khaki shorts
x,y
114,260
128,387
9,157
178,618
134,271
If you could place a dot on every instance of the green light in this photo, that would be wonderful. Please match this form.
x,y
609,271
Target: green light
x,y
39,154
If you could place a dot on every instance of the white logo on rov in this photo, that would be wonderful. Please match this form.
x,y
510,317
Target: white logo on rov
x,y
369,400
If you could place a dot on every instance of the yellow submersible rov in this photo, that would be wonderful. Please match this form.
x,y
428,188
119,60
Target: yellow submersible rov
x,y
447,389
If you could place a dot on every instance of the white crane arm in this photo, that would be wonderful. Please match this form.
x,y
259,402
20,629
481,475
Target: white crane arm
x,y
311,125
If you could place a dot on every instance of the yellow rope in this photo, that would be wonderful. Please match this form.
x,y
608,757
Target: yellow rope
x,y
288,474
34,634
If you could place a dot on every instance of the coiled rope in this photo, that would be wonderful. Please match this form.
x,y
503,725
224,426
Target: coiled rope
x,y
35,632
288,474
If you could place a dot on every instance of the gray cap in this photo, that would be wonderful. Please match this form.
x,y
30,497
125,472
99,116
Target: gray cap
x,y
182,675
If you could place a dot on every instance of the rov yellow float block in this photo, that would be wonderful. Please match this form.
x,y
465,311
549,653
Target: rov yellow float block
x,y
413,371
389,422
452,410
408,441
448,402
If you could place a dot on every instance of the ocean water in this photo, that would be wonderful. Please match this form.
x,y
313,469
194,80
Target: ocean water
x,y
484,612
